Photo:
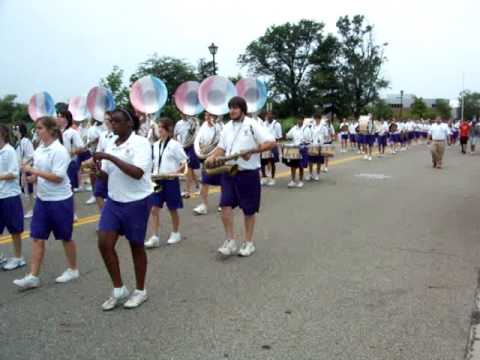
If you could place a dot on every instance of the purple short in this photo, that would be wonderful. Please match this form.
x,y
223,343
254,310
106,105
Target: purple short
x,y
52,216
72,173
382,140
84,156
242,190
344,136
314,159
170,194
369,139
353,138
101,188
193,162
129,219
11,215
361,139
214,180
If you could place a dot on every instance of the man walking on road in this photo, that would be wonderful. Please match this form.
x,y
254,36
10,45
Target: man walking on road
x,y
439,135
464,133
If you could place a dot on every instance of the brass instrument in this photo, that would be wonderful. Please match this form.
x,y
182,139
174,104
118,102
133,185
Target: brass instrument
x,y
219,166
157,178
191,134
203,150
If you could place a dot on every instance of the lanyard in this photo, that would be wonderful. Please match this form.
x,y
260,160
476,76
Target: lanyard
x,y
161,150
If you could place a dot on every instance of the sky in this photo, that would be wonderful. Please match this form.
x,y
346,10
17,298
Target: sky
x,y
65,47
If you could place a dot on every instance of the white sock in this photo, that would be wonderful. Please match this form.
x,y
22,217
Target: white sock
x,y
117,292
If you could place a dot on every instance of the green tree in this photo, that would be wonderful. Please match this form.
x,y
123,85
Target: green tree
x,y
380,109
284,54
471,104
361,60
12,111
443,109
419,109
170,70
114,82
205,69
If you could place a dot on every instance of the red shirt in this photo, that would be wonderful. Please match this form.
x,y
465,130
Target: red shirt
x,y
464,129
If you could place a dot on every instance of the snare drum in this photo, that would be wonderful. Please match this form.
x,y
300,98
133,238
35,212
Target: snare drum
x,y
267,155
290,152
313,150
328,150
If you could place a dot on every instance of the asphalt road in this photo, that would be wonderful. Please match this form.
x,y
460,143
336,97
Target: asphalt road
x,y
377,261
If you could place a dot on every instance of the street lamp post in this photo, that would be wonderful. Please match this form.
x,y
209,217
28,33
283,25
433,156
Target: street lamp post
x,y
213,50
401,104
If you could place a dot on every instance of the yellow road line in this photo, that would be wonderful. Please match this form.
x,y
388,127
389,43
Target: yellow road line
x,y
94,218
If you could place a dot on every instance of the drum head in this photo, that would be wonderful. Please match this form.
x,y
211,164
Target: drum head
x,y
148,94
99,101
186,98
78,107
254,91
214,94
40,105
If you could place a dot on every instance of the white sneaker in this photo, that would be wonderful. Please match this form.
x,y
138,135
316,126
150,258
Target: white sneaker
x,y
75,218
247,249
369,158
113,300
88,187
79,189
292,184
308,177
263,181
325,169
29,214
219,209
300,184
153,242
271,182
91,200
365,157
137,298
316,177
200,210
175,237
14,263
28,282
68,275
228,248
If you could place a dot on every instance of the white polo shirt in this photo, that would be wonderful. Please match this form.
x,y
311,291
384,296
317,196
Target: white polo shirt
x,y
172,156
72,139
383,129
274,128
105,139
9,166
352,128
24,150
301,134
239,136
54,159
439,132
136,150
94,133
318,134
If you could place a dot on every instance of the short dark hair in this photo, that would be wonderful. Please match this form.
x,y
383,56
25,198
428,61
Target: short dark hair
x,y
129,116
317,115
67,115
22,129
5,133
167,124
238,102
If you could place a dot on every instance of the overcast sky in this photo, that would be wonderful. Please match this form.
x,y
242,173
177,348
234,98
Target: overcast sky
x,y
65,46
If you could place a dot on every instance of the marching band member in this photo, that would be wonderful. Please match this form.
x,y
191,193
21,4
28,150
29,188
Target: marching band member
x,y
209,131
168,158
241,134
301,135
352,130
382,138
25,152
184,133
464,134
275,129
127,165
369,139
328,137
394,132
11,210
53,210
106,138
318,140
82,127
94,133
344,135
